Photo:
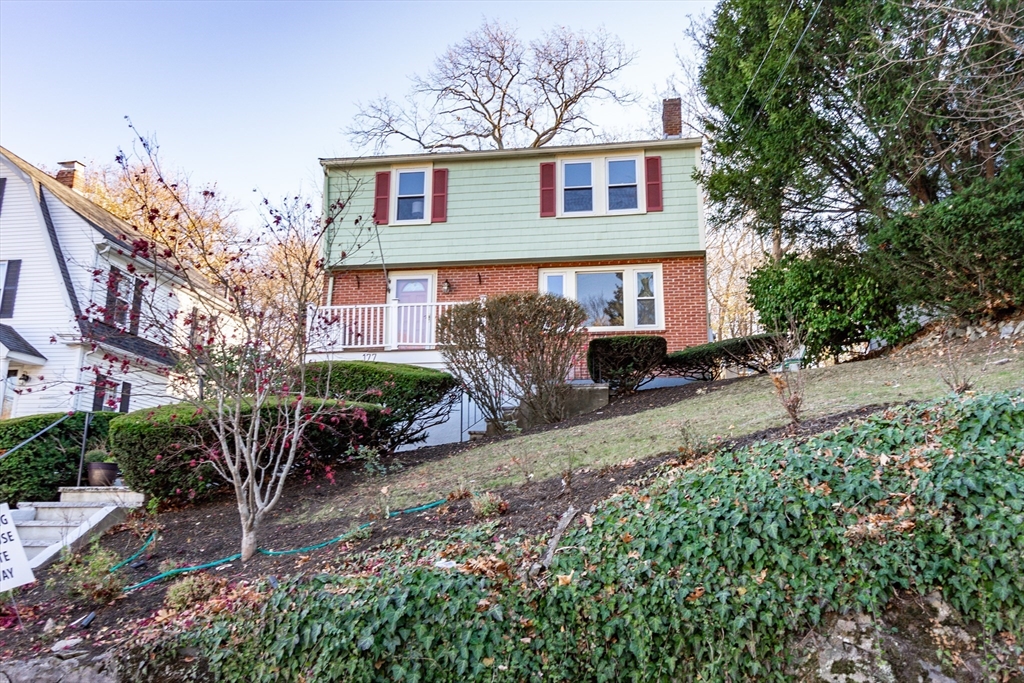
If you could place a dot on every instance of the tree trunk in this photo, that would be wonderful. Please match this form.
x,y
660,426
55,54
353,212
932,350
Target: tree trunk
x,y
248,543
777,245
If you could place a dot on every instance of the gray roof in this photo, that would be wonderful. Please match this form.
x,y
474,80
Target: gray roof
x,y
107,223
475,155
10,338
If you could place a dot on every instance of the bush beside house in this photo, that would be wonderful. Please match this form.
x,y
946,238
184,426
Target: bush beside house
x,y
830,298
38,469
705,362
161,451
414,398
625,361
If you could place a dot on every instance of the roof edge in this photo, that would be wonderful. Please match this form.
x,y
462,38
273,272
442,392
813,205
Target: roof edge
x,y
327,163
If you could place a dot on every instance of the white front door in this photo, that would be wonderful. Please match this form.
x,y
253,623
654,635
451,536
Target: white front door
x,y
413,298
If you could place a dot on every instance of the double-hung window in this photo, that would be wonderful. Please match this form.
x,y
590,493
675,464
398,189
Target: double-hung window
x,y
622,193
614,297
412,195
578,187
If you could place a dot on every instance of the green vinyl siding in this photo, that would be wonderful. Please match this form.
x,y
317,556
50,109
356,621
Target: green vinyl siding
x,y
494,216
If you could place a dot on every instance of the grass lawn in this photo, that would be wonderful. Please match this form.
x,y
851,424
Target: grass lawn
x,y
735,410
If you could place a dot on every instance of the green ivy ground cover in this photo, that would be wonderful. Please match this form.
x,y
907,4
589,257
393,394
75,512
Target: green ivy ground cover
x,y
707,574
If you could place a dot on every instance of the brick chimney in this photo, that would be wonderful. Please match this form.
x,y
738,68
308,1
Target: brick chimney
x,y
72,174
672,117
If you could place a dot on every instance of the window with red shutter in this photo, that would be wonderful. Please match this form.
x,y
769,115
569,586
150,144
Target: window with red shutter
x,y
439,207
382,198
653,168
548,189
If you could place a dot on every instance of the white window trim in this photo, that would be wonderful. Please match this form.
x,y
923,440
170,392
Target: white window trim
x,y
641,184
629,292
428,194
599,185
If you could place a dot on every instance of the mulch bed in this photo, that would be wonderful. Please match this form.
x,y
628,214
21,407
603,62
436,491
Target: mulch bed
x,y
202,533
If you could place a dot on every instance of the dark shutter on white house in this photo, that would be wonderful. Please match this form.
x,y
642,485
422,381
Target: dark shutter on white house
x,y
10,289
100,394
126,396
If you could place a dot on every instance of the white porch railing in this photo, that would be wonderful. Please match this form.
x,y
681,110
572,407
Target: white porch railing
x,y
375,326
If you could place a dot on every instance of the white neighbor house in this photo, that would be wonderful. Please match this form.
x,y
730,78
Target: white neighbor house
x,y
68,341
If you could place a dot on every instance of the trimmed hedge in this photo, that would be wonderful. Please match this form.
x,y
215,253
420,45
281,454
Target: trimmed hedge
x,y
157,449
37,470
705,362
417,398
626,361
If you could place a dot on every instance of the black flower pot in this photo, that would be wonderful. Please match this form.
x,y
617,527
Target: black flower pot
x,y
102,473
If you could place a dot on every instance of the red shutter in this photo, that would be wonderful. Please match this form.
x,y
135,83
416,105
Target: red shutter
x,y
439,207
548,189
382,198
653,167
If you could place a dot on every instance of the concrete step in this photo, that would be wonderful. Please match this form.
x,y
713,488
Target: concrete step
x,y
34,546
51,531
23,513
44,540
70,512
121,496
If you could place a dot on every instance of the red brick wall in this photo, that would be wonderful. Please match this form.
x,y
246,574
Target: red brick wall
x,y
683,279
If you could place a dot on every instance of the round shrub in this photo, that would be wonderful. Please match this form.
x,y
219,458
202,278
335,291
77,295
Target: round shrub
x,y
831,298
160,451
416,398
626,361
35,471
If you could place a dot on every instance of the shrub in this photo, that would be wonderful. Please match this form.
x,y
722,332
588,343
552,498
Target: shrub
x,y
161,451
705,362
417,398
35,471
831,296
88,573
626,362
760,544
487,504
519,346
961,256
192,589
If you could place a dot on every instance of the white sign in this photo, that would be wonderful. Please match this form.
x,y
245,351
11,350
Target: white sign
x,y
14,569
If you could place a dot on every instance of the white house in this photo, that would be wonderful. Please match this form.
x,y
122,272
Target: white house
x,y
72,332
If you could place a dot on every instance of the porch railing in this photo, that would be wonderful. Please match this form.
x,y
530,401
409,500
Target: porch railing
x,y
375,326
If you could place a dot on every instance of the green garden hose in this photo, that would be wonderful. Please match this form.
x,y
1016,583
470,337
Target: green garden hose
x,y
232,558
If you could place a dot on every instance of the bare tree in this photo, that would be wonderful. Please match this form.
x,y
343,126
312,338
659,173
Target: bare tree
x,y
240,344
136,192
733,252
491,91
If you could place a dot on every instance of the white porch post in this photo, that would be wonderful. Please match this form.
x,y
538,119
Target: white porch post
x,y
391,325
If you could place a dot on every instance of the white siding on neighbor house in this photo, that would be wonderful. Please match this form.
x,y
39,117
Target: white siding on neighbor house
x,y
149,389
78,242
43,310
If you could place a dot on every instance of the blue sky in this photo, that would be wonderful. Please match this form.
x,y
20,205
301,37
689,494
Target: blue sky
x,y
251,94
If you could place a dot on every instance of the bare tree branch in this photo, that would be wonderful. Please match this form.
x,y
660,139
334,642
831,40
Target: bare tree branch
x,y
489,91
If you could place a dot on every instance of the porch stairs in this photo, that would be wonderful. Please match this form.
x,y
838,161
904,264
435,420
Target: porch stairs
x,y
82,512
